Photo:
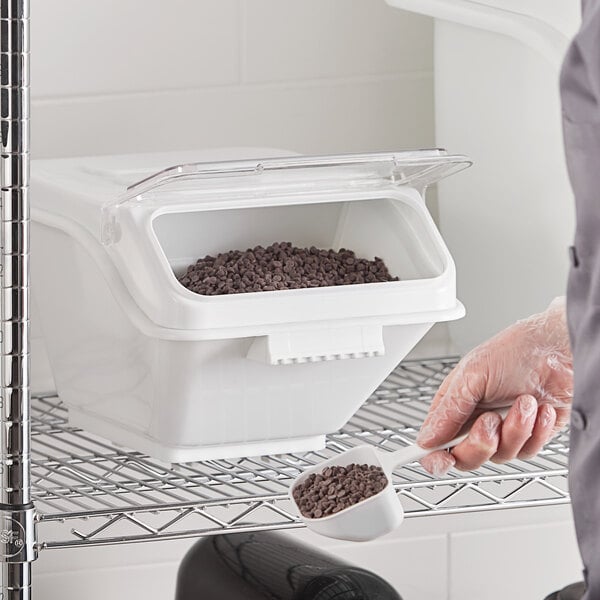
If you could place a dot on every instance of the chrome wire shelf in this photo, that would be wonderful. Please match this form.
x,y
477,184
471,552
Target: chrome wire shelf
x,y
88,492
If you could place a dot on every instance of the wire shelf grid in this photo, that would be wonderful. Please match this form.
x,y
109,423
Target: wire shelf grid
x,y
88,492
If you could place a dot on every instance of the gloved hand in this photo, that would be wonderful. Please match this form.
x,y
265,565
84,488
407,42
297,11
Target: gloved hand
x,y
528,366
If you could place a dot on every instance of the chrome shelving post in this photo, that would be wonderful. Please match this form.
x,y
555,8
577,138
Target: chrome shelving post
x,y
17,520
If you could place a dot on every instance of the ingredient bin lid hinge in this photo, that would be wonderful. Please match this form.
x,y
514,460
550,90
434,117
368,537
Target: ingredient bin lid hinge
x,y
417,169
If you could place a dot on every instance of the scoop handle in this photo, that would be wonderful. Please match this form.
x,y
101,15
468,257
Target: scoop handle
x,y
390,460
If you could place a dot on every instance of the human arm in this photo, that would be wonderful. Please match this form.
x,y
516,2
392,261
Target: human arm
x,y
527,366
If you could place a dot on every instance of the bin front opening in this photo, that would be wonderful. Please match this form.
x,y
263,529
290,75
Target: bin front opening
x,y
384,227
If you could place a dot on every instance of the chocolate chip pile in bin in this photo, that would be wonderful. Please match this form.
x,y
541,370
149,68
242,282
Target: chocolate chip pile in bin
x,y
280,266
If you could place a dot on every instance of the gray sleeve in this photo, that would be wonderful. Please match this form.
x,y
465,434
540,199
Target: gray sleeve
x,y
580,77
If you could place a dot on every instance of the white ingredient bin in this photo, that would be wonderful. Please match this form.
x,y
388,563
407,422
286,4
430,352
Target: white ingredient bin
x,y
150,365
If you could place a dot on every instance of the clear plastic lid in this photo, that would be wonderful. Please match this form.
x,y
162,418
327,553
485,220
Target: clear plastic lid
x,y
192,184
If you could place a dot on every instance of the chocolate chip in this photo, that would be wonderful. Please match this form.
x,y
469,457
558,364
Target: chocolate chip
x,y
337,488
280,266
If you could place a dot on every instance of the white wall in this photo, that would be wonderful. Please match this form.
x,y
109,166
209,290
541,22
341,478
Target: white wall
x,y
315,76
520,554
312,76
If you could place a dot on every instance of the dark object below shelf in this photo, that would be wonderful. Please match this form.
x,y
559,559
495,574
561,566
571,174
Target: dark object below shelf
x,y
268,566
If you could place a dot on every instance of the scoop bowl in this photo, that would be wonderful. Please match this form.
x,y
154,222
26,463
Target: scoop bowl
x,y
383,512
366,520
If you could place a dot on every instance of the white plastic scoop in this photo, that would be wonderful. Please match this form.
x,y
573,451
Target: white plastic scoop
x,y
381,513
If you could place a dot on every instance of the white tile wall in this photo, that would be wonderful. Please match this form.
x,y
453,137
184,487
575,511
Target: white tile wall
x,y
315,39
314,76
525,562
387,113
117,46
311,76
97,582
477,556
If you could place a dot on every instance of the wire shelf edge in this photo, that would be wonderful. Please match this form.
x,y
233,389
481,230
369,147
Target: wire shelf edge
x,y
88,492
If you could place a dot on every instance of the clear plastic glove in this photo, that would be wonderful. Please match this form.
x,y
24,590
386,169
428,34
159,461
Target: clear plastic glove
x,y
529,367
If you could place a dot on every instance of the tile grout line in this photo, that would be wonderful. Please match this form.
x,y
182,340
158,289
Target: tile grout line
x,y
291,84
242,40
448,565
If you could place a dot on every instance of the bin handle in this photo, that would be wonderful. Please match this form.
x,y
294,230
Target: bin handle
x,y
305,346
